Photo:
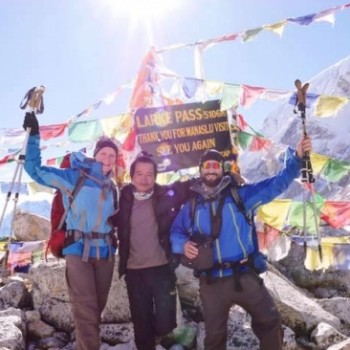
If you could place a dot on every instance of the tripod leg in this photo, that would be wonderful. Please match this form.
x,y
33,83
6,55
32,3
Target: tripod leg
x,y
19,170
15,199
304,222
9,193
316,223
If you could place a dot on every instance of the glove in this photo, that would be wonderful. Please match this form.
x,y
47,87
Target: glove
x,y
31,122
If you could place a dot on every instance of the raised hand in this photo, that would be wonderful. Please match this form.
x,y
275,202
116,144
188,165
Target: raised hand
x,y
31,122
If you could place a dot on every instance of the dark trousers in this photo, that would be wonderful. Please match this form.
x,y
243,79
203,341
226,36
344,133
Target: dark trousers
x,y
218,296
88,288
152,299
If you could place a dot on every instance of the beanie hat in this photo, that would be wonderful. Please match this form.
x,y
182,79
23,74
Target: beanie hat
x,y
211,154
105,142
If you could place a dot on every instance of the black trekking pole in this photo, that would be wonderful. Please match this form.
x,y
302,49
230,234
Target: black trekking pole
x,y
306,171
33,103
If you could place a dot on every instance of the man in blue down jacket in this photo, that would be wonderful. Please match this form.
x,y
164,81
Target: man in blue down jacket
x,y
218,286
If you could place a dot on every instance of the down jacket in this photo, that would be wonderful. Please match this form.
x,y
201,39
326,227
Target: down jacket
x,y
167,201
94,203
235,241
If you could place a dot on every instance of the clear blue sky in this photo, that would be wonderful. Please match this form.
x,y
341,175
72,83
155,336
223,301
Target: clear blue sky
x,y
84,49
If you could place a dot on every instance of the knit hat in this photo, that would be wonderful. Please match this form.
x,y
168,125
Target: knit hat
x,y
211,154
105,142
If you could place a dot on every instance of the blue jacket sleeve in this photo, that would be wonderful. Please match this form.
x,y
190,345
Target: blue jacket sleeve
x,y
44,175
179,230
254,195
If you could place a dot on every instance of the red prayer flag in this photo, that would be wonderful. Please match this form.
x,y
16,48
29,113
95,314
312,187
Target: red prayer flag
x,y
336,214
48,132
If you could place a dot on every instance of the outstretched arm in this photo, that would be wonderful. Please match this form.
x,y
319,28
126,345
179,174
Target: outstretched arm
x,y
44,175
265,191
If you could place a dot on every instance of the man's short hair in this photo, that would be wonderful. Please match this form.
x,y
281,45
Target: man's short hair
x,y
143,158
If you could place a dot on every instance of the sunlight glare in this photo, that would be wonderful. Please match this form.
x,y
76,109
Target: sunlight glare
x,y
144,9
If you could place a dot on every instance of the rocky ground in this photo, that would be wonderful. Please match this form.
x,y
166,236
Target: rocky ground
x,y
315,307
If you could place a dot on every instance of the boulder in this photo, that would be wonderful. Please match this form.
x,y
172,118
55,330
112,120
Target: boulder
x,y
31,227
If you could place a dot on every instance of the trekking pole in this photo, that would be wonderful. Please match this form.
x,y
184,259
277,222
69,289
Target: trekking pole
x,y
306,168
33,100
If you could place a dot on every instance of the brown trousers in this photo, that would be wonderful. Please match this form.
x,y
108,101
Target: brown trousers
x,y
88,286
218,296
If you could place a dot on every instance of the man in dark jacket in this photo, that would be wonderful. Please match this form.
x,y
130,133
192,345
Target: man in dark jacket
x,y
146,213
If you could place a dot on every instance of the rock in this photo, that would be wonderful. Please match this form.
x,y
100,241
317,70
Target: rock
x,y
32,315
51,299
298,312
38,330
324,335
334,281
13,330
337,306
344,345
57,341
15,294
323,292
11,337
15,316
30,227
111,333
47,321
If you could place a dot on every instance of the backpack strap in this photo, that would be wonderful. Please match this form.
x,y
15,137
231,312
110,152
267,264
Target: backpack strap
x,y
75,191
216,218
240,205
193,205
216,224
116,196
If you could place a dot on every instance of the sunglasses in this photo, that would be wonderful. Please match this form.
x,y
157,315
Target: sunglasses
x,y
211,164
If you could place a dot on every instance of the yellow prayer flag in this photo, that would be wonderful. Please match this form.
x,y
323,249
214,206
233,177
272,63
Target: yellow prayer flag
x,y
3,246
274,214
116,126
318,162
277,28
313,262
34,187
213,88
327,106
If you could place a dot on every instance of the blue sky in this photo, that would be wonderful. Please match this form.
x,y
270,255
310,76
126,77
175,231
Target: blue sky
x,y
82,50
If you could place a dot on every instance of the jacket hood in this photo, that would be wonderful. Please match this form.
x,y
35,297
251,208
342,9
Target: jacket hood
x,y
201,189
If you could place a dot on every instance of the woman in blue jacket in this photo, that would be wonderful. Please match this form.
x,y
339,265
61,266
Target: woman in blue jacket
x,y
90,251
230,281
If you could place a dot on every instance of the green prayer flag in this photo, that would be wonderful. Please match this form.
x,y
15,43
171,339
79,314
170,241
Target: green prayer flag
x,y
245,139
230,96
335,170
296,216
84,131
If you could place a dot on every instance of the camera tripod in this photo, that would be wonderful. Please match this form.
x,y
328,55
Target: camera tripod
x,y
306,171
32,103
